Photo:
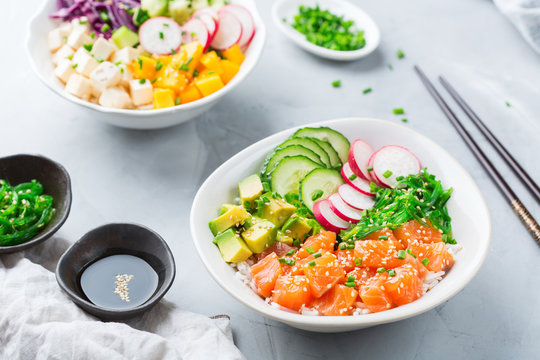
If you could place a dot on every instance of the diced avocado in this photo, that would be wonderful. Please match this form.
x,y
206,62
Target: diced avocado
x,y
236,215
250,188
296,227
284,238
155,7
180,10
260,236
225,208
232,247
277,211
124,37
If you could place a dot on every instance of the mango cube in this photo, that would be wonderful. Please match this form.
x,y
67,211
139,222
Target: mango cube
x,y
209,84
144,67
163,98
234,54
230,69
189,94
212,62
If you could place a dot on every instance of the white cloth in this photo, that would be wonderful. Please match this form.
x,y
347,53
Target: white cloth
x,y
39,321
525,15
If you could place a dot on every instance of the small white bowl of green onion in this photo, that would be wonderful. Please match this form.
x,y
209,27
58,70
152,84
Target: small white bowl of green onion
x,y
332,29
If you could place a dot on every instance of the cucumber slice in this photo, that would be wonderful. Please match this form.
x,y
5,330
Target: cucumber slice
x,y
325,180
336,139
311,145
291,150
286,176
332,153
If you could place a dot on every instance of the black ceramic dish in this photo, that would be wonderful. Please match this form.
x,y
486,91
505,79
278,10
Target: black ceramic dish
x,y
55,179
114,239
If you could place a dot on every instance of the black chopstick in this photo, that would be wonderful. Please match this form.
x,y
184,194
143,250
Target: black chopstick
x,y
519,208
508,158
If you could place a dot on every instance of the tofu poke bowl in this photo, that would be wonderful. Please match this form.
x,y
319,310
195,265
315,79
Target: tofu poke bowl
x,y
341,225
141,61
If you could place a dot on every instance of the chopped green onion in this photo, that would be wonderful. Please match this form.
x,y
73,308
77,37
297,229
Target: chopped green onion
x,y
161,36
350,247
387,174
398,111
93,35
310,250
105,28
401,255
159,65
351,278
142,81
139,61
357,261
311,263
404,120
400,54
88,47
352,177
350,284
317,255
104,16
153,81
367,91
425,261
316,195
336,83
507,104
369,168
383,237
75,66
173,52
296,242
391,272
410,253
399,178
290,252
381,270
343,246
177,101
83,21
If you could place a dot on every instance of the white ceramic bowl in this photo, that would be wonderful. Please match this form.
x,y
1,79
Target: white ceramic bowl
x,y
41,61
287,9
470,219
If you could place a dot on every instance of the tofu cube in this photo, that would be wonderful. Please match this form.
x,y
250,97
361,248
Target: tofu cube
x,y
78,38
126,55
125,75
66,27
84,62
57,38
115,97
64,70
103,49
141,94
63,53
81,23
104,76
79,86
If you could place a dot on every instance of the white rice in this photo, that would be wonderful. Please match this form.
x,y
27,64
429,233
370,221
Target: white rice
x,y
243,273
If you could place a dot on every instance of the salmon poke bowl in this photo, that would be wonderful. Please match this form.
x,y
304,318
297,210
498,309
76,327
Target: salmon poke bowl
x,y
140,61
341,225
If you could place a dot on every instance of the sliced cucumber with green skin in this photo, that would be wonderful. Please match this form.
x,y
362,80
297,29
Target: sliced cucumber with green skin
x,y
319,184
311,145
335,138
291,150
289,171
332,153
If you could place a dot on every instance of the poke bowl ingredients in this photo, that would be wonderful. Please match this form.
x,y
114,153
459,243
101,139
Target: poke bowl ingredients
x,y
308,237
152,60
323,28
24,211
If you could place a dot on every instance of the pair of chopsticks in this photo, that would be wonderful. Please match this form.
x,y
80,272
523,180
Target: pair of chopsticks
x,y
511,197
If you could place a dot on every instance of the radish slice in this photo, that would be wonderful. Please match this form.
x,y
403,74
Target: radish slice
x,y
393,161
355,198
357,183
229,31
195,29
344,211
359,155
327,218
246,20
374,177
160,35
210,18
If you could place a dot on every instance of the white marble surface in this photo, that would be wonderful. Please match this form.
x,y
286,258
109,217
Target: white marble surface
x,y
150,177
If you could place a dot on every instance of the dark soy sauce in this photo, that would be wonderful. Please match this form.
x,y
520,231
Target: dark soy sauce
x,y
119,282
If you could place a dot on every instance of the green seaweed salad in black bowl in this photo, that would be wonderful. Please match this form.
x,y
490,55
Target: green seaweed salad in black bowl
x,y
35,200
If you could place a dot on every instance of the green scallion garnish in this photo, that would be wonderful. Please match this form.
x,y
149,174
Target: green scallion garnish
x,y
387,174
401,255
316,195
381,270
425,261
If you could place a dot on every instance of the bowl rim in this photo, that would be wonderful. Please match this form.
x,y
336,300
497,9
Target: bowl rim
x,y
154,299
205,101
323,52
330,323
40,237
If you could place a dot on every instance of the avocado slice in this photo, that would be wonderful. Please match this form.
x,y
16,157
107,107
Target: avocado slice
x,y
284,238
225,208
250,189
277,211
232,247
235,215
260,236
296,227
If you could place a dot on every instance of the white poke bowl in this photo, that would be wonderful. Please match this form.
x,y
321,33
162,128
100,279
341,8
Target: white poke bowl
x,y
471,222
41,62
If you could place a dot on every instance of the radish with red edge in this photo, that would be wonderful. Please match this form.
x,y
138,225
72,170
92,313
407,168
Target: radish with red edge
x,y
355,198
359,155
160,35
393,161
344,211
208,18
229,31
327,218
195,29
374,177
246,20
356,182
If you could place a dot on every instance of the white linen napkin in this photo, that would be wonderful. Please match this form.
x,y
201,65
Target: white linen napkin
x,y
525,15
39,321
